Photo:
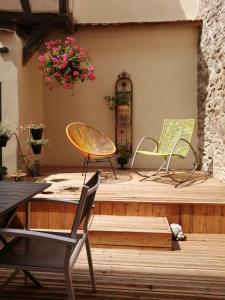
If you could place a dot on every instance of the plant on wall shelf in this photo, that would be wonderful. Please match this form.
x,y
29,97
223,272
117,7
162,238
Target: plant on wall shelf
x,y
36,130
114,101
36,145
66,63
124,155
5,133
3,172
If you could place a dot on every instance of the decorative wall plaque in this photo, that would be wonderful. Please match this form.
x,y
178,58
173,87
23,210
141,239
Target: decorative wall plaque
x,y
124,92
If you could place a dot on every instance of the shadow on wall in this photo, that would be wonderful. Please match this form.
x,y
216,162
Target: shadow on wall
x,y
203,81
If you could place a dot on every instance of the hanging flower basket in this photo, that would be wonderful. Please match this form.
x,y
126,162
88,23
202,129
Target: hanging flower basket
x,y
66,63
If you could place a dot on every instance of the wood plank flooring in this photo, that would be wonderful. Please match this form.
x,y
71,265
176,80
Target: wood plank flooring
x,y
195,270
128,188
199,205
135,231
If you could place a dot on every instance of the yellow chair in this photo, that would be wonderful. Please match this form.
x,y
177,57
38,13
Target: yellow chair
x,y
93,145
175,142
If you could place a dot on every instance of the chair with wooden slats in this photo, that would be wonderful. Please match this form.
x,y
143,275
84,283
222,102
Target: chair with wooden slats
x,y
174,142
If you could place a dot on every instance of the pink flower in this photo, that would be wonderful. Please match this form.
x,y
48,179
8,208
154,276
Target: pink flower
x,y
75,73
55,49
56,74
55,59
83,76
71,52
70,39
66,77
91,76
63,65
41,58
64,57
91,68
67,85
47,78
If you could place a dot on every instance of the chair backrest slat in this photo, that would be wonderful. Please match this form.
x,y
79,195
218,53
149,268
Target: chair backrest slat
x,y
86,202
174,129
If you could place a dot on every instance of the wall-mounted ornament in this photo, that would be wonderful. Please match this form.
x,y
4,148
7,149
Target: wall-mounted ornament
x,y
124,94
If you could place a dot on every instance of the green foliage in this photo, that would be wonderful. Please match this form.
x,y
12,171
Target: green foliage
x,y
3,171
35,126
39,142
113,102
5,129
124,151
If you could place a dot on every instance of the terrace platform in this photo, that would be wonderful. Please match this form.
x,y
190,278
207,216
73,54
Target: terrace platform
x,y
130,231
198,205
195,270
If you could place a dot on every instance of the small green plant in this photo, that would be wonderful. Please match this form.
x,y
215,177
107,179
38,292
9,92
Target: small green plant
x,y
38,142
114,101
5,129
3,171
35,126
124,151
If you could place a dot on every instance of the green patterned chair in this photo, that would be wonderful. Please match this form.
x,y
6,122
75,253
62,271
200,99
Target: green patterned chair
x,y
175,142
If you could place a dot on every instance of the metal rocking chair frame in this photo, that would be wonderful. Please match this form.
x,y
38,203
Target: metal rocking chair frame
x,y
184,138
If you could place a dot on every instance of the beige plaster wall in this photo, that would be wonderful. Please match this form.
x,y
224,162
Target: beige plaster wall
x,y
44,5
14,5
116,11
30,99
22,95
162,61
10,105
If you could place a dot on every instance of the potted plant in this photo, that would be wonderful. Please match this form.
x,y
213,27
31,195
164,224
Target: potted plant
x,y
5,133
3,172
36,145
34,169
124,155
118,100
18,175
36,131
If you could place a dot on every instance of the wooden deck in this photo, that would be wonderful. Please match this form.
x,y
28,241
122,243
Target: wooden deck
x,y
128,188
199,205
195,270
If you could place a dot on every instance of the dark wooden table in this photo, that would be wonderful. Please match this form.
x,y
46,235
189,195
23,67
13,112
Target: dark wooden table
x,y
14,193
11,195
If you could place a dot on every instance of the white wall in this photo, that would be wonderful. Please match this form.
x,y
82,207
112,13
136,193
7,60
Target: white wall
x,y
9,81
162,61
117,11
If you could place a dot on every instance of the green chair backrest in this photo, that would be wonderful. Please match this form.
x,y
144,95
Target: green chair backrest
x,y
173,129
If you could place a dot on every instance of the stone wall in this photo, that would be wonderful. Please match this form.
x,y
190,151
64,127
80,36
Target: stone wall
x,y
211,87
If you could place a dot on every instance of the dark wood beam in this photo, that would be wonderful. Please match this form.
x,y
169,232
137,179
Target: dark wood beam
x,y
26,6
63,6
36,34
7,26
26,19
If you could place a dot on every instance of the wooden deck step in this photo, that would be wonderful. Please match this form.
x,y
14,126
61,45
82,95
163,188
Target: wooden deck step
x,y
130,231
